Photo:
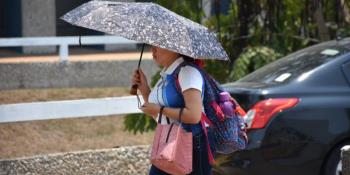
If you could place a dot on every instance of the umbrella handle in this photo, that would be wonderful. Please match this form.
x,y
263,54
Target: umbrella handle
x,y
133,89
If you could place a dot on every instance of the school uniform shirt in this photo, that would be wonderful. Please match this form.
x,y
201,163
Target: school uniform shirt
x,y
188,77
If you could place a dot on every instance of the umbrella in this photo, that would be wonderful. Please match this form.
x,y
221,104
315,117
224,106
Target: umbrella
x,y
148,23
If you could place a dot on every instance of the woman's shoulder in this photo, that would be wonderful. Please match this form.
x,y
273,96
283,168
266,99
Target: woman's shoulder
x,y
190,77
189,70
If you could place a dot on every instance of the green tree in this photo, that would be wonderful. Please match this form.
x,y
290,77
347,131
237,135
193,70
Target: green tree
x,y
252,58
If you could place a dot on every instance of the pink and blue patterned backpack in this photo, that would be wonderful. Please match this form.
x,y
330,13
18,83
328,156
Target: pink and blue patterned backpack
x,y
228,132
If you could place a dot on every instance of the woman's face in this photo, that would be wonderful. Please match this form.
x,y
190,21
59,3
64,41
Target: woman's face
x,y
163,57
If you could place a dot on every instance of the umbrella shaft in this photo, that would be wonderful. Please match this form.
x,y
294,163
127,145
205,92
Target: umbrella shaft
x,y
143,46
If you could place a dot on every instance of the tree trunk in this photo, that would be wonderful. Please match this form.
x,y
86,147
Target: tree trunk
x,y
319,18
244,13
206,6
244,16
345,10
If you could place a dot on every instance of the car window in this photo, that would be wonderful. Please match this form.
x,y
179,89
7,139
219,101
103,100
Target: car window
x,y
295,65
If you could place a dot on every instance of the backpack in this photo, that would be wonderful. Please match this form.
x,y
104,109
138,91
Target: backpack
x,y
228,133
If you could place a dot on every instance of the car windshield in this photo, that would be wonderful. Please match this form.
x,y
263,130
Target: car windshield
x,y
296,64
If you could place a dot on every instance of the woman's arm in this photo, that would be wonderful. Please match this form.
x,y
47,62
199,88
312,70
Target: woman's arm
x,y
145,94
193,108
191,113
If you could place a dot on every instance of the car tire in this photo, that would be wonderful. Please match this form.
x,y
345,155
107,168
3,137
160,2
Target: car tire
x,y
332,164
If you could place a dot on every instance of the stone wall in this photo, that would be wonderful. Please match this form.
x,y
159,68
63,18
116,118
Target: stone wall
x,y
124,161
72,74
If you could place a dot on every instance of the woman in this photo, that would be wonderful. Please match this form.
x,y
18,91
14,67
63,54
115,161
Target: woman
x,y
191,84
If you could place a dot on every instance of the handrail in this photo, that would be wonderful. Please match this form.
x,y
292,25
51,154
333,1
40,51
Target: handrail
x,y
63,42
68,109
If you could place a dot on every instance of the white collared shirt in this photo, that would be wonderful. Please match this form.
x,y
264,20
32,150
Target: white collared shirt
x,y
189,77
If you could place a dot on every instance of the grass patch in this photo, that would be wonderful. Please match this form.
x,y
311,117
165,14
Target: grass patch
x,y
63,135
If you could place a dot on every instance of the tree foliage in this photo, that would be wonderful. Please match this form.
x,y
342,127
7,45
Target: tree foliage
x,y
252,58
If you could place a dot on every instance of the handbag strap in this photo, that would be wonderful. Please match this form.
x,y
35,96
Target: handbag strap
x,y
160,114
171,127
168,121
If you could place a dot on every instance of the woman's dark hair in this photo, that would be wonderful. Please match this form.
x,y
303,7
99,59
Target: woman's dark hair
x,y
200,63
187,58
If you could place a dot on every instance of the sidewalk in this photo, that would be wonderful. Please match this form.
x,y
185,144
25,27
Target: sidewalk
x,y
77,57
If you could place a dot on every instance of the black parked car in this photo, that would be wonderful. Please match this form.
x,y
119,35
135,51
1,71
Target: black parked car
x,y
299,114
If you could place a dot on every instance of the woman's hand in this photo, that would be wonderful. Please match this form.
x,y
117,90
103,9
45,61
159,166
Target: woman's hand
x,y
150,109
140,80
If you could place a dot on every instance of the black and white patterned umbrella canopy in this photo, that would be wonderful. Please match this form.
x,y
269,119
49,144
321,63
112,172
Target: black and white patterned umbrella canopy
x,y
148,23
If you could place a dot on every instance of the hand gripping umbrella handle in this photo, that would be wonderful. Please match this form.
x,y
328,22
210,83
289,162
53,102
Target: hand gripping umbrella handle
x,y
133,90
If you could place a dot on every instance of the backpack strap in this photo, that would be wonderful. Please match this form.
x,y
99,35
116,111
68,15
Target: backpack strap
x,y
204,119
177,71
176,76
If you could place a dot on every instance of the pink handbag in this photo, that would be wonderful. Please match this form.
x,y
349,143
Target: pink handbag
x,y
172,147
